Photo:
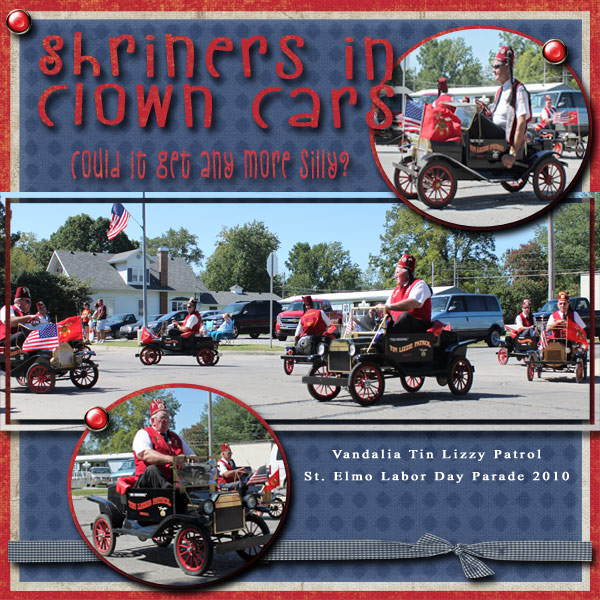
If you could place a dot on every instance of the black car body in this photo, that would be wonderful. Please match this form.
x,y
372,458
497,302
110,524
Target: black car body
x,y
113,324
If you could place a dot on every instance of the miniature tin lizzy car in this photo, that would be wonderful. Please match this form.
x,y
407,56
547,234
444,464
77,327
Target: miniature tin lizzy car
x,y
516,344
559,356
362,362
205,349
39,370
197,518
431,170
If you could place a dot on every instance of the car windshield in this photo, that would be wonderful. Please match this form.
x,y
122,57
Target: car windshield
x,y
169,316
100,470
116,318
539,100
550,306
126,466
466,112
235,308
438,304
299,305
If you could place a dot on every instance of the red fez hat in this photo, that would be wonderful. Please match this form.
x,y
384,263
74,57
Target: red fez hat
x,y
156,406
563,296
225,447
22,292
548,97
506,55
40,304
526,303
442,84
407,262
308,301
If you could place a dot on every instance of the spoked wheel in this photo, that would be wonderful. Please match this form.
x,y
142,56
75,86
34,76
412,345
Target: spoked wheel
x,y
85,376
579,150
559,148
404,183
460,376
40,379
514,186
436,184
150,355
580,371
320,392
193,549
288,364
206,357
549,180
412,384
103,536
255,526
276,508
22,380
366,384
503,356
530,369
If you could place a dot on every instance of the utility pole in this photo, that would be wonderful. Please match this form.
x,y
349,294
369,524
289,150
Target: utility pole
x,y
432,273
551,271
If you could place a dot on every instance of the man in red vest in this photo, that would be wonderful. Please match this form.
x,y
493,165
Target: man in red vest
x,y
313,322
229,472
189,326
155,449
558,320
524,325
409,305
512,107
18,315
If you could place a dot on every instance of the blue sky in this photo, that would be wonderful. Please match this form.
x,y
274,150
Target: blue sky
x,y
356,226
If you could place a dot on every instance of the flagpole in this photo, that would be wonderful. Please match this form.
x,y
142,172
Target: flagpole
x,y
145,287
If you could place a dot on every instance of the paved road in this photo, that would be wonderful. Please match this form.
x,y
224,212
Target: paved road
x,y
498,392
146,561
480,204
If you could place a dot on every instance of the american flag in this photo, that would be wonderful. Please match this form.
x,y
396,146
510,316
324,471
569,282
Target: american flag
x,y
543,343
259,476
118,222
350,325
44,338
560,117
413,115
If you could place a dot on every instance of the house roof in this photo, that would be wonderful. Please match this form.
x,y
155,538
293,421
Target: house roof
x,y
224,298
98,268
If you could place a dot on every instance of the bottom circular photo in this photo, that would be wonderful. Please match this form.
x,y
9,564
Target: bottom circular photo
x,y
185,486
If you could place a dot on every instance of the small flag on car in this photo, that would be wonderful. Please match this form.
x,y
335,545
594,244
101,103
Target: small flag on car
x,y
259,476
118,222
44,338
543,343
147,336
274,481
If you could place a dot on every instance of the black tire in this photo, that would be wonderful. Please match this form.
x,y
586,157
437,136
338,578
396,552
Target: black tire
x,y
436,184
516,186
84,377
559,148
579,150
404,183
288,366
580,371
460,376
366,383
255,526
412,384
235,332
322,393
276,508
254,336
193,549
282,338
503,356
530,369
206,357
22,380
149,355
103,536
493,337
549,180
40,378
443,381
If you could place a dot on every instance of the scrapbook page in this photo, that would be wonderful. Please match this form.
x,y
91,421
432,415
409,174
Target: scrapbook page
x,y
299,302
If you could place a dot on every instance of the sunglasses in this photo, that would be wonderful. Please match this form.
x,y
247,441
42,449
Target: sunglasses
x,y
496,67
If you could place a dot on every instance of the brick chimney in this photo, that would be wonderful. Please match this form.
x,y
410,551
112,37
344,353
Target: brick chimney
x,y
163,278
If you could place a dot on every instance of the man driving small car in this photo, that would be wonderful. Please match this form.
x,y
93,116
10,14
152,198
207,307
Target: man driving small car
x,y
409,305
228,471
18,315
155,449
558,320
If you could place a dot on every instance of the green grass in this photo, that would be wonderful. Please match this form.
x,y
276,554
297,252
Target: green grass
x,y
84,492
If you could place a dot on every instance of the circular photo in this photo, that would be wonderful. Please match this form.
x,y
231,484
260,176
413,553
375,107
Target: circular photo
x,y
479,130
185,486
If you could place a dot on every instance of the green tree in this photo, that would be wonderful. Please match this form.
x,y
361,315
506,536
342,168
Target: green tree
x,y
14,238
181,243
470,253
196,437
325,267
241,258
125,421
87,235
449,58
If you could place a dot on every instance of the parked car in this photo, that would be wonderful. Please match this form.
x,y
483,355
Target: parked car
x,y
97,476
125,470
155,326
249,317
209,314
113,324
130,331
579,304
471,316
564,101
287,320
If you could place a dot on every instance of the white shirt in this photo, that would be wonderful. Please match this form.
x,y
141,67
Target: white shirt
x,y
519,321
142,441
419,292
190,321
3,313
578,319
223,466
503,110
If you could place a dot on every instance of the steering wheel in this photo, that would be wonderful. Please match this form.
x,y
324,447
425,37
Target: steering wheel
x,y
484,108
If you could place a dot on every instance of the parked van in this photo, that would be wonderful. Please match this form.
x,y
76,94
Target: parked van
x,y
471,316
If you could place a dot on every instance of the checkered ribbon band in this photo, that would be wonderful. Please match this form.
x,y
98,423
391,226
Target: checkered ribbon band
x,y
296,550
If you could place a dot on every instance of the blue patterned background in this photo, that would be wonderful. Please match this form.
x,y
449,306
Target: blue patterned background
x,y
46,152
467,512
